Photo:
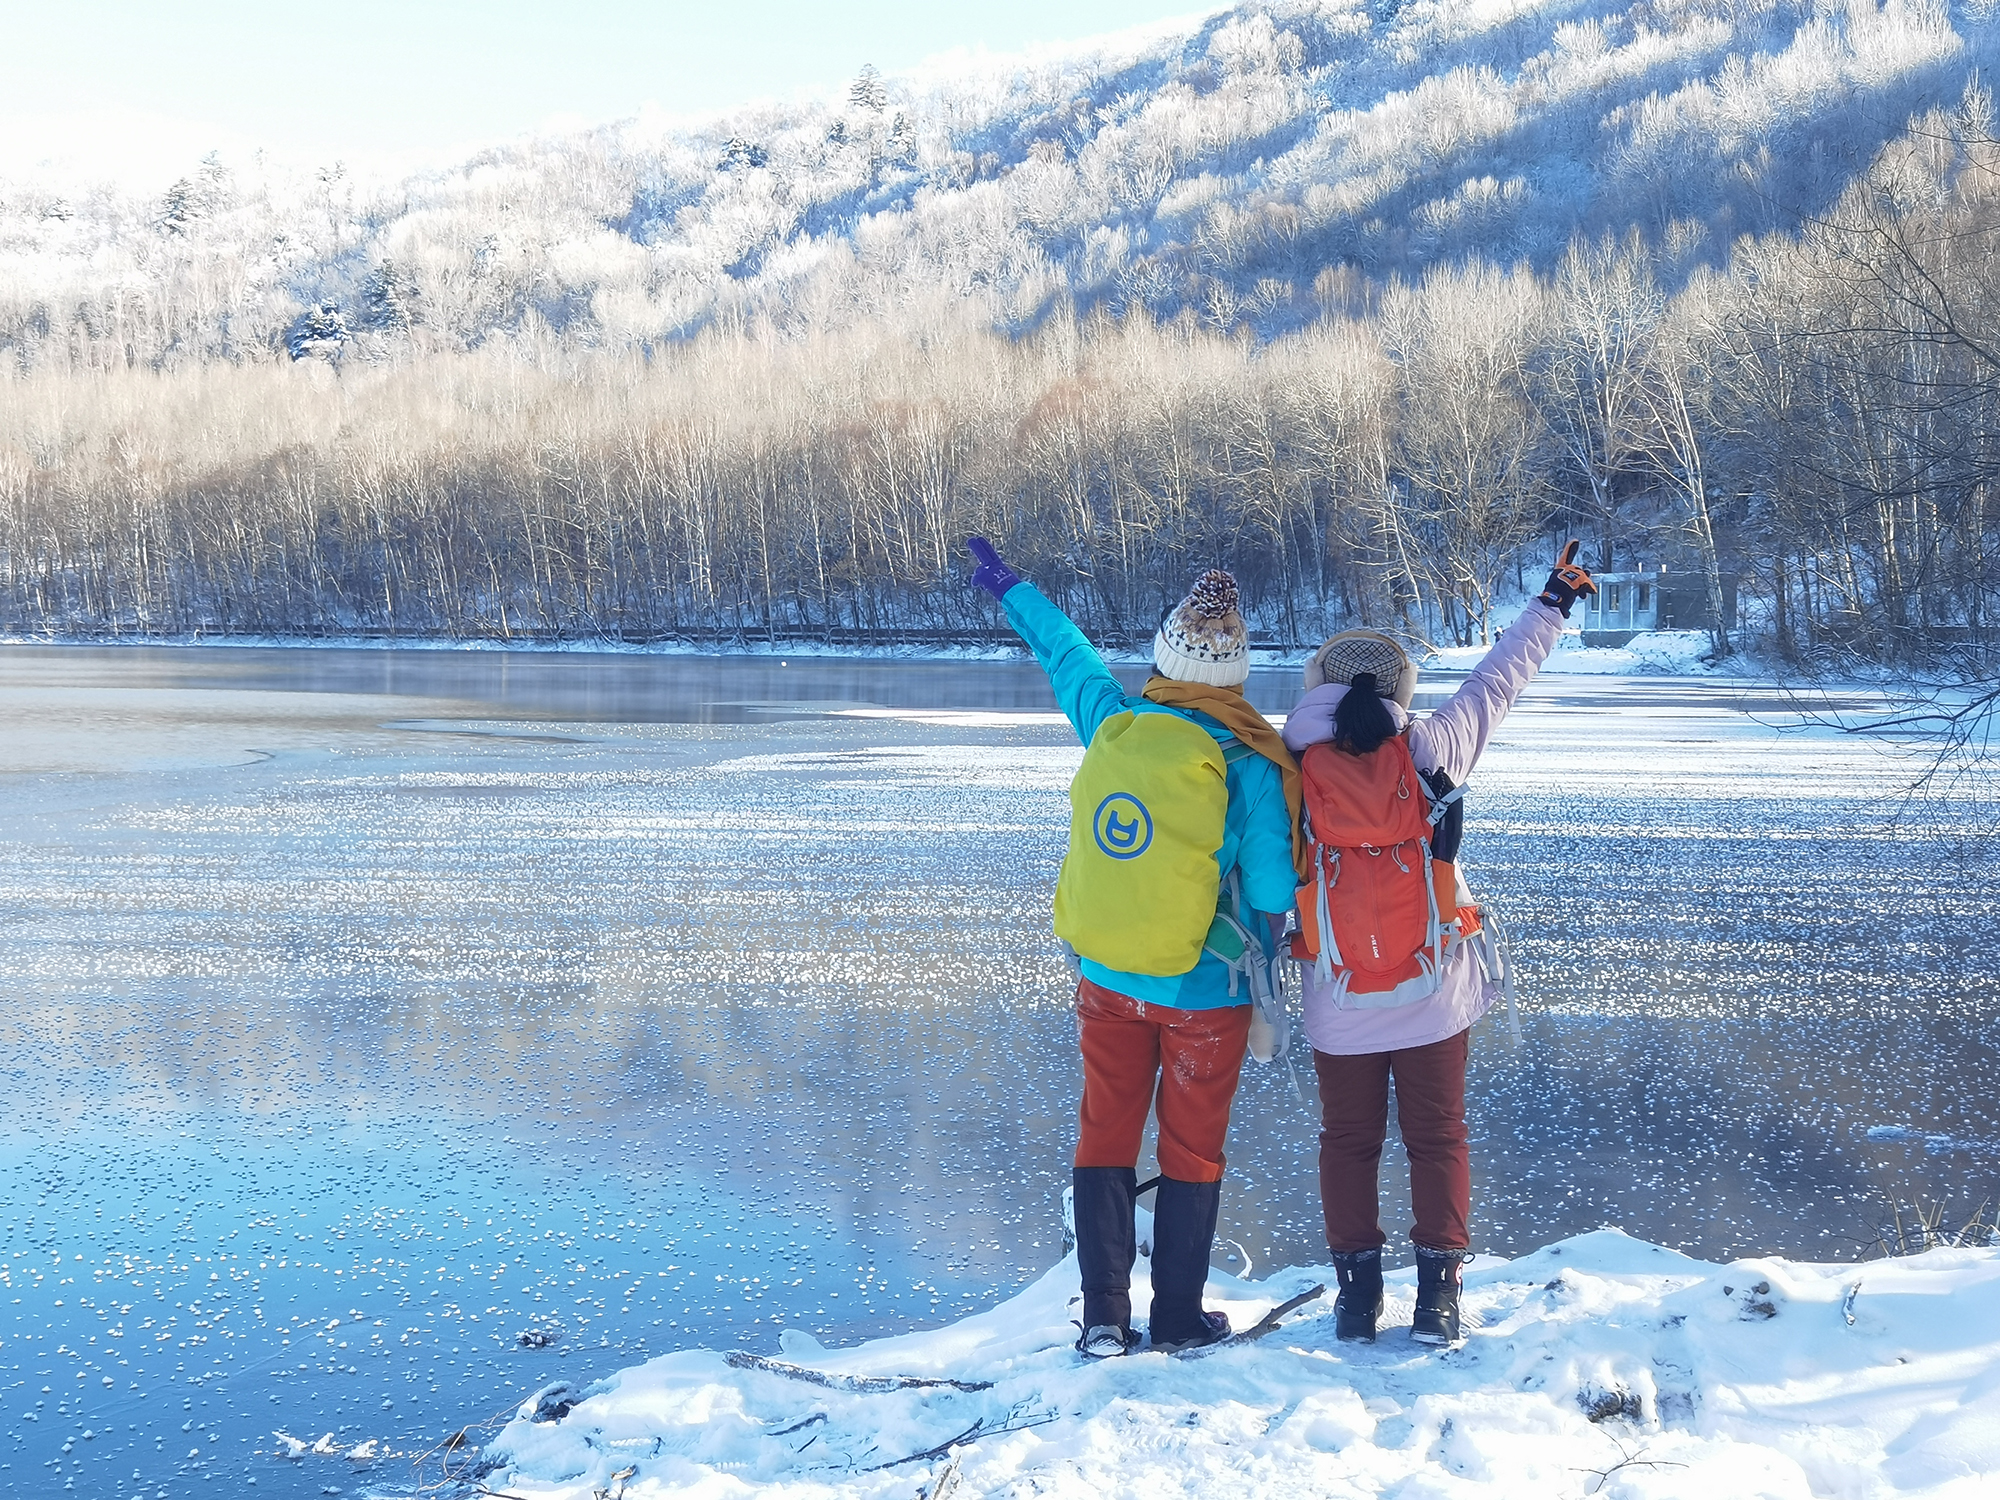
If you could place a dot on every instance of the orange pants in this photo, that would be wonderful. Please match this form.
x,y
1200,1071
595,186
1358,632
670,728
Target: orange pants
x,y
1132,1051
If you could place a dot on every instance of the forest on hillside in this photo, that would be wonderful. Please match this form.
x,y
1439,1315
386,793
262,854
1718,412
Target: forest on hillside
x,y
385,435
1814,430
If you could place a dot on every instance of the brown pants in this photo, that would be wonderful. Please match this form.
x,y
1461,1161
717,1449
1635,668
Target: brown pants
x,y
1354,1121
1131,1051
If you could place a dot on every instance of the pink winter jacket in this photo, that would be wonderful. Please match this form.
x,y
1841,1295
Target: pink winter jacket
x,y
1453,737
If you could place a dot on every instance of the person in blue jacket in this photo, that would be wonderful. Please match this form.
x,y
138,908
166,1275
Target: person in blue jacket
x,y
1173,1043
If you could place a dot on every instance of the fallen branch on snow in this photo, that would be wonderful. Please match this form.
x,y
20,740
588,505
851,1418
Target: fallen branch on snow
x,y
1266,1324
870,1385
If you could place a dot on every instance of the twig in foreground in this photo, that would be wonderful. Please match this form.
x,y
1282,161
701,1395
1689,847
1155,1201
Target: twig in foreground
x,y
977,1429
1629,1458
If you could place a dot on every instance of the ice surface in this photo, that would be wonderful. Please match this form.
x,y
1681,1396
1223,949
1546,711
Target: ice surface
x,y
733,1015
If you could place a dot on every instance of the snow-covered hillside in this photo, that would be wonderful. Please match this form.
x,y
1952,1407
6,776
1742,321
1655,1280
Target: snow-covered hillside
x,y
1603,1366
1256,166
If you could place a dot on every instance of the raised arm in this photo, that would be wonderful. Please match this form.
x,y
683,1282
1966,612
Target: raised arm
x,y
1085,690
1457,734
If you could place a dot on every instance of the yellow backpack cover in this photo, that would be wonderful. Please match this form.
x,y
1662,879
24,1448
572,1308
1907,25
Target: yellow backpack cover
x,y
1139,886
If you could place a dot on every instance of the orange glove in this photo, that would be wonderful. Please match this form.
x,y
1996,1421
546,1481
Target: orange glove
x,y
1568,582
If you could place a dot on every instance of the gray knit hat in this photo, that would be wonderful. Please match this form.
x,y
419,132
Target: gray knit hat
x,y
1204,639
1353,652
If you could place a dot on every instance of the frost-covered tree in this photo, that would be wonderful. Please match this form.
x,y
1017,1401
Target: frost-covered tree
x,y
868,91
320,332
214,184
389,298
180,207
899,146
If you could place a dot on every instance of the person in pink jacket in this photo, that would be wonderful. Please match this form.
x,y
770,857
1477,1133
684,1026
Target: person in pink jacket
x,y
1358,691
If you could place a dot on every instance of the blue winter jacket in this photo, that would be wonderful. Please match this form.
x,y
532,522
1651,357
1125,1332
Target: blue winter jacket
x,y
1257,829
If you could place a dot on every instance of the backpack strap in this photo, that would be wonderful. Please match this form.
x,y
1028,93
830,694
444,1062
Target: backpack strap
x,y
1229,936
1233,939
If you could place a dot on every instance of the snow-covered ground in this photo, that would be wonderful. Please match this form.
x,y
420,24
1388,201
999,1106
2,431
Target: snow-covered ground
x,y
1601,1365
1652,653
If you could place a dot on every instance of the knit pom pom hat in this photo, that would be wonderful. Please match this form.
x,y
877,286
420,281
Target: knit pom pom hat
x,y
1204,639
1352,652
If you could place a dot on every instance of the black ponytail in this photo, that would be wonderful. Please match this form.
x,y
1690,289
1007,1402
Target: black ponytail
x,y
1361,720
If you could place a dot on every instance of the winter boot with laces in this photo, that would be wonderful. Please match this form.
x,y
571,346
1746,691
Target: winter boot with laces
x,y
1360,1300
1183,1234
1106,1245
1436,1320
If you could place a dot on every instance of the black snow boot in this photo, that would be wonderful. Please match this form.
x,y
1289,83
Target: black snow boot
x,y
1183,1234
1360,1300
1436,1320
1106,1245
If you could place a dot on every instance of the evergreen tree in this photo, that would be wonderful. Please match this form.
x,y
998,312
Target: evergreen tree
x,y
212,191
180,208
867,92
900,149
388,298
320,330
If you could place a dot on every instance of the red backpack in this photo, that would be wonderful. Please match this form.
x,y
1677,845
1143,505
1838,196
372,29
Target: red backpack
x,y
1385,899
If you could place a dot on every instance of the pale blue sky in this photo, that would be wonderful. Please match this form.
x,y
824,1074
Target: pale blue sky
x,y
371,78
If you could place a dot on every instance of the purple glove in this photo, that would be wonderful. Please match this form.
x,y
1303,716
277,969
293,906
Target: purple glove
x,y
992,574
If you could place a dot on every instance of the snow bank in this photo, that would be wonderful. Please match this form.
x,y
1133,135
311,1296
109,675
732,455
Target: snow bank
x,y
1602,1365
1652,653
1671,653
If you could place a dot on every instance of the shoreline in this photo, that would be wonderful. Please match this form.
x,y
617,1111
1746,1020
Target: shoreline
x,y
1654,655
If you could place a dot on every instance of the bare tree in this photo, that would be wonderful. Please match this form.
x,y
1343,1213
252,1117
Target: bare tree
x,y
1590,376
1675,392
1471,444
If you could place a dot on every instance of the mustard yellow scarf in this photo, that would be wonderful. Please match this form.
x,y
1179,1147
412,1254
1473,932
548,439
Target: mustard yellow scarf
x,y
1229,708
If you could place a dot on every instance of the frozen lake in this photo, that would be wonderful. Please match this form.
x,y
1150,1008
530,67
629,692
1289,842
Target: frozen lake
x,y
369,1010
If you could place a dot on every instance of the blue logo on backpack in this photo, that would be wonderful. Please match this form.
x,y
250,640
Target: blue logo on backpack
x,y
1122,825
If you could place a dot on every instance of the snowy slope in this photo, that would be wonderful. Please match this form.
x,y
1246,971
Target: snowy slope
x,y
1247,165
1604,1365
